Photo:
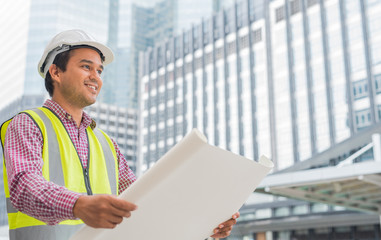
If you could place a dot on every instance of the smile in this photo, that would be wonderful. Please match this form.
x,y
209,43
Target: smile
x,y
92,87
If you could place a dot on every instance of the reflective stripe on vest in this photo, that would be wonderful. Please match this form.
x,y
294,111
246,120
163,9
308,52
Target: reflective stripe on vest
x,y
62,165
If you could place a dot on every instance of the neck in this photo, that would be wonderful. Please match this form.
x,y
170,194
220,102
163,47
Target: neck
x,y
75,111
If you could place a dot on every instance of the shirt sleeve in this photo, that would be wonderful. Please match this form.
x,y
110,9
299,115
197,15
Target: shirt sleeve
x,y
30,192
126,176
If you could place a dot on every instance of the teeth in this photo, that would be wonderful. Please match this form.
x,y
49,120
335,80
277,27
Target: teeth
x,y
92,87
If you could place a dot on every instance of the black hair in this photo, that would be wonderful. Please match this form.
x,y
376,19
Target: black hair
x,y
60,61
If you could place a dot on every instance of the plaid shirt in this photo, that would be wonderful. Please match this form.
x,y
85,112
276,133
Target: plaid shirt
x,y
30,193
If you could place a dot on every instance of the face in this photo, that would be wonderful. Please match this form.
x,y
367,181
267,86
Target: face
x,y
81,83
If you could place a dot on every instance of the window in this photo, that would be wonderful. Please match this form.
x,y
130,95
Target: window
x,y
219,53
256,36
295,6
319,207
360,89
179,109
282,211
161,80
243,42
179,71
161,98
279,14
363,118
208,58
377,80
301,209
231,48
188,67
170,93
161,116
198,63
263,213
179,129
310,3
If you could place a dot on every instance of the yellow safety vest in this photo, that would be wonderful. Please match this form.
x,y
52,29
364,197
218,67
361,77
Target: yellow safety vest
x,y
62,165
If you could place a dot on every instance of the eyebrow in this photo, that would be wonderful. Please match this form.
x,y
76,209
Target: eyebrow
x,y
90,62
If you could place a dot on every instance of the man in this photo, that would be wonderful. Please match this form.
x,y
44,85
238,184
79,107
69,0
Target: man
x,y
62,171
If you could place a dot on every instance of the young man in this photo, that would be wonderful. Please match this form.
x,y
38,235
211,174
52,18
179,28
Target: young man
x,y
62,171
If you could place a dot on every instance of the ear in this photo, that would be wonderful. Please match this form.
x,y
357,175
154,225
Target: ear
x,y
55,73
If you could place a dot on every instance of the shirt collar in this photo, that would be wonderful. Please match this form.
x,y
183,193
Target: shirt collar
x,y
62,114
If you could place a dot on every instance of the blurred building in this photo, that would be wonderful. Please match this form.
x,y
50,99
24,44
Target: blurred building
x,y
289,79
149,25
155,21
121,125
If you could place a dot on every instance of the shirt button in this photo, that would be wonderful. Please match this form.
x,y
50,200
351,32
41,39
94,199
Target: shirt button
x,y
84,157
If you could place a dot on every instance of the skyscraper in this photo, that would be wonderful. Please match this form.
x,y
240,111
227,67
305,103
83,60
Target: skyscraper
x,y
149,25
153,22
302,78
288,79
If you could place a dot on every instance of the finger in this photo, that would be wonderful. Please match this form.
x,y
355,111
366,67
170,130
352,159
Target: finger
x,y
123,204
222,228
236,215
109,225
120,213
221,234
115,220
229,222
225,229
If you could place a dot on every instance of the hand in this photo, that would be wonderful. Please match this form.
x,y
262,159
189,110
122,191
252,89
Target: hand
x,y
223,230
102,211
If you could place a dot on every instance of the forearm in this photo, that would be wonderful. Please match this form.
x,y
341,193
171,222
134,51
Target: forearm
x,y
33,195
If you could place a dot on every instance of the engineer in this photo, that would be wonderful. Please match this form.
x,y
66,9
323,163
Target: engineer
x,y
61,170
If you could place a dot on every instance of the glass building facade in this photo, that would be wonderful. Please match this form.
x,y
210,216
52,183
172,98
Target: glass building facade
x,y
288,79
148,25
285,78
120,124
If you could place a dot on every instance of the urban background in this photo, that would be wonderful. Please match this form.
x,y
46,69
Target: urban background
x,y
296,80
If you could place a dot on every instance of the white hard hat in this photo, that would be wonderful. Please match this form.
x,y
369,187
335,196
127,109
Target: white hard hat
x,y
64,41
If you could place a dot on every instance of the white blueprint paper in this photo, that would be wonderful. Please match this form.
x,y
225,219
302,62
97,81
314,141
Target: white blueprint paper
x,y
186,194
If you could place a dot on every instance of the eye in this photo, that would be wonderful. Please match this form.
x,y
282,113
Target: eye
x,y
86,66
99,72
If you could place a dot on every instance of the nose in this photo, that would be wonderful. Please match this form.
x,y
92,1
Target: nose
x,y
95,75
